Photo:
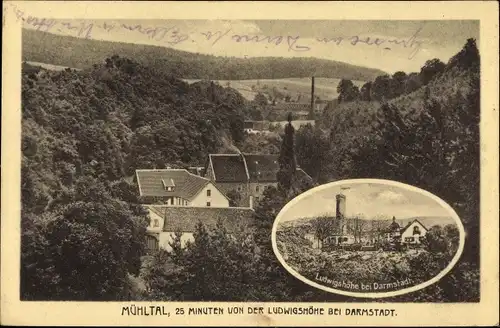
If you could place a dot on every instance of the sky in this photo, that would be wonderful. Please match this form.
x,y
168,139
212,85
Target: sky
x,y
373,201
402,45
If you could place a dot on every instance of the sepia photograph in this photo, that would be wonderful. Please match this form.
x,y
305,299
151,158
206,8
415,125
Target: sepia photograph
x,y
371,238
173,166
146,168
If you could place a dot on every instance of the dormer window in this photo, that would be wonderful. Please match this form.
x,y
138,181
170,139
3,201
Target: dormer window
x,y
168,185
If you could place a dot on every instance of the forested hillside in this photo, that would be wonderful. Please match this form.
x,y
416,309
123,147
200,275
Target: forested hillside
x,y
428,138
82,133
74,52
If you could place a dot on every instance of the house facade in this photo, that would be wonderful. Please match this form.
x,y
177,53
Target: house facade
x,y
411,234
249,175
166,221
178,187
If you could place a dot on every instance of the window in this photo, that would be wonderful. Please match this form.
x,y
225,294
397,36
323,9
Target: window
x,y
409,239
344,239
416,230
208,203
156,223
257,188
152,243
239,188
209,193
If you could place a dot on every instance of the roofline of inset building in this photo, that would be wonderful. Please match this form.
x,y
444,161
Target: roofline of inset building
x,y
205,207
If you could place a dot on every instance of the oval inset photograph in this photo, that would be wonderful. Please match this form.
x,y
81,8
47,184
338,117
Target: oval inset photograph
x,y
368,238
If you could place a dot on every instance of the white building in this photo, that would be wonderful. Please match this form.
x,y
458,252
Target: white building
x,y
413,233
166,220
178,187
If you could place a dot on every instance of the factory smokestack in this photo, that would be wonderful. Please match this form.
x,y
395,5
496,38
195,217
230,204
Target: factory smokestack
x,y
311,113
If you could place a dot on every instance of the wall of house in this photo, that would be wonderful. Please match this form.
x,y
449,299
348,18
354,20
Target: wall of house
x,y
155,222
152,242
166,200
168,237
409,233
258,193
216,198
241,188
209,174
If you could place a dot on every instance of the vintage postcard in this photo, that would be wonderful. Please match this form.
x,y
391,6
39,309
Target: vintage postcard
x,y
250,163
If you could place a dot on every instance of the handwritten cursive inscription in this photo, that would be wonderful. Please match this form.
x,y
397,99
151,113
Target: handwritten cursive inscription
x,y
411,42
172,35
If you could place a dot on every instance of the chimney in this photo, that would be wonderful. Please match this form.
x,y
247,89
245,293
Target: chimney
x,y
311,113
212,91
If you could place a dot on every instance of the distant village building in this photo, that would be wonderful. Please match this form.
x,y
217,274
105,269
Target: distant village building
x,y
344,229
247,174
165,221
413,233
393,231
178,187
256,127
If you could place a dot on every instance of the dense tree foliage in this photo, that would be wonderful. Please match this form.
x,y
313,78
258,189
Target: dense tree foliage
x,y
386,87
419,264
429,138
85,132
287,161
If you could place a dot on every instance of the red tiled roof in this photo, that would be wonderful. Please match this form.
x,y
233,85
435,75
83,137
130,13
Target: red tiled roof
x,y
186,185
185,218
229,168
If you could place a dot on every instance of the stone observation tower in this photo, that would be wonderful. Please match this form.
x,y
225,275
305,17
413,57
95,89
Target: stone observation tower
x,y
340,214
341,227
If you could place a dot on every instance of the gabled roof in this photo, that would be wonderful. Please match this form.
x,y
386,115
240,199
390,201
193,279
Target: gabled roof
x,y
248,167
186,185
302,176
185,218
262,168
410,223
229,167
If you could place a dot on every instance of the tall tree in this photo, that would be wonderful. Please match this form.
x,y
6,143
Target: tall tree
x,y
286,160
366,90
347,91
398,83
381,88
323,228
430,69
